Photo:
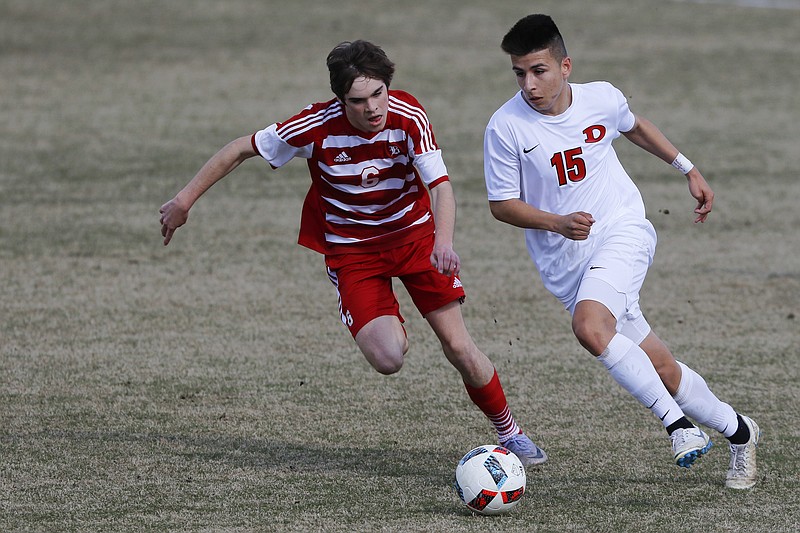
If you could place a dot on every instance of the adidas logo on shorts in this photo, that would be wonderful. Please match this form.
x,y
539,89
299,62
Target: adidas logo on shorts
x,y
456,283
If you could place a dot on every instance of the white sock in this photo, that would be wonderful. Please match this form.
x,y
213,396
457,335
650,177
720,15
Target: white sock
x,y
632,369
697,401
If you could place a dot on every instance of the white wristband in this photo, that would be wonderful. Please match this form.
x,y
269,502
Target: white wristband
x,y
682,163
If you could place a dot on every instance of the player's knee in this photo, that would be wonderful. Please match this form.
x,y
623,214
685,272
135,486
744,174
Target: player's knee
x,y
386,364
593,325
384,347
591,336
386,360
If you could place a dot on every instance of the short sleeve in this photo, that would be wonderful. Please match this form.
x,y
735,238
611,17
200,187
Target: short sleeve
x,y
625,117
275,150
501,166
430,166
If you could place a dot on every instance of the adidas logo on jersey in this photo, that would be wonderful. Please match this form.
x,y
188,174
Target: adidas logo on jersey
x,y
456,282
341,158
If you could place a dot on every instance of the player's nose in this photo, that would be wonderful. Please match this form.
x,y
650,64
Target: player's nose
x,y
530,82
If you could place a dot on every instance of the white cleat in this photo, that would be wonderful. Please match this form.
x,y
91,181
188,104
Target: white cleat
x,y
742,470
688,445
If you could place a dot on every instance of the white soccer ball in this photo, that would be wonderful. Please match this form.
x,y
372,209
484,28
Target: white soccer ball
x,y
490,479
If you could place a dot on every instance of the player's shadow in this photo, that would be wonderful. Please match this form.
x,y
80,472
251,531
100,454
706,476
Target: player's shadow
x,y
203,452
264,454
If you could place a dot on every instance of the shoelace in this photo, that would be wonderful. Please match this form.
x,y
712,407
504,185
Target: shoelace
x,y
740,458
679,437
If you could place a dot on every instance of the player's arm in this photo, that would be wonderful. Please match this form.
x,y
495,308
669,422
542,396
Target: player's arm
x,y
575,226
646,135
443,201
502,172
175,212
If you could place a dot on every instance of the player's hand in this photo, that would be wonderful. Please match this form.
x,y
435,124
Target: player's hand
x,y
575,226
173,216
445,260
700,191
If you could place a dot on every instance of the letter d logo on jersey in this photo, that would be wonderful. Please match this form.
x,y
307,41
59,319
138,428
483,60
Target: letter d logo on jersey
x,y
594,133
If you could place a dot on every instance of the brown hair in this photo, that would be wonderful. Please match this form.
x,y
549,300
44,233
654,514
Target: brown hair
x,y
351,60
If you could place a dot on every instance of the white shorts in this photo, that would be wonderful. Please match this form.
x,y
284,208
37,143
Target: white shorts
x,y
614,276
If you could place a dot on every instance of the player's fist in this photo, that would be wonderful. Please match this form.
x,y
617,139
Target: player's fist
x,y
445,260
576,226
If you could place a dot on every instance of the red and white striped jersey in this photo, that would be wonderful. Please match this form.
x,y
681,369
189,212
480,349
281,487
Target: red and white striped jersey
x,y
367,188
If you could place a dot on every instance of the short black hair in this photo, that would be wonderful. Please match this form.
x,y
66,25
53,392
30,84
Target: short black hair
x,y
532,34
351,60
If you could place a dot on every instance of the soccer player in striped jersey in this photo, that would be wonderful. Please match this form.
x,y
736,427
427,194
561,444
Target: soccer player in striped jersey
x,y
550,168
380,206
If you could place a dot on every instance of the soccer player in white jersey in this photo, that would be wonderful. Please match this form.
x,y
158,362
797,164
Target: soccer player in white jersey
x,y
372,157
550,168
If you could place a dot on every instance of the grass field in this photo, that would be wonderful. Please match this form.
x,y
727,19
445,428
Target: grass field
x,y
209,386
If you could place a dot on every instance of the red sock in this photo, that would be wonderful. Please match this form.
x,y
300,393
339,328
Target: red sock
x,y
492,401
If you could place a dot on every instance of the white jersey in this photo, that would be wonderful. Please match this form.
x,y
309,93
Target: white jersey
x,y
563,164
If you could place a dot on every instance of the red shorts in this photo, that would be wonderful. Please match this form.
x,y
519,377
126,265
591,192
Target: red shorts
x,y
364,283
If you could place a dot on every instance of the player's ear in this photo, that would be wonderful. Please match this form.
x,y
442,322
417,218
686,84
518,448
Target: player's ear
x,y
566,66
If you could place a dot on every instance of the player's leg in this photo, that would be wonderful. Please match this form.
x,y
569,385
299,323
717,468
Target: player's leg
x,y
689,389
384,343
369,309
595,328
594,325
662,359
481,380
438,298
694,396
458,346
608,294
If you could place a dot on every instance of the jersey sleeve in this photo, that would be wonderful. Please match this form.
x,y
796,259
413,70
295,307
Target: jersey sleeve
x,y
625,117
431,168
423,150
500,166
275,150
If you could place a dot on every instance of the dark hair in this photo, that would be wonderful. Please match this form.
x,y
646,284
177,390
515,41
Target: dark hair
x,y
532,34
351,60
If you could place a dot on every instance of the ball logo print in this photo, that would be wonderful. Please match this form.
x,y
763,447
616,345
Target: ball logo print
x,y
490,480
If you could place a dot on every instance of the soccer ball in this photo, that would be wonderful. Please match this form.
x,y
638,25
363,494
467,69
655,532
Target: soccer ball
x,y
490,480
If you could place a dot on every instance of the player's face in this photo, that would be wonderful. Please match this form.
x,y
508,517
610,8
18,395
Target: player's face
x,y
543,80
366,104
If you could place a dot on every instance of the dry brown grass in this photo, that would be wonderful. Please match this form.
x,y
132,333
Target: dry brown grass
x,y
209,386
